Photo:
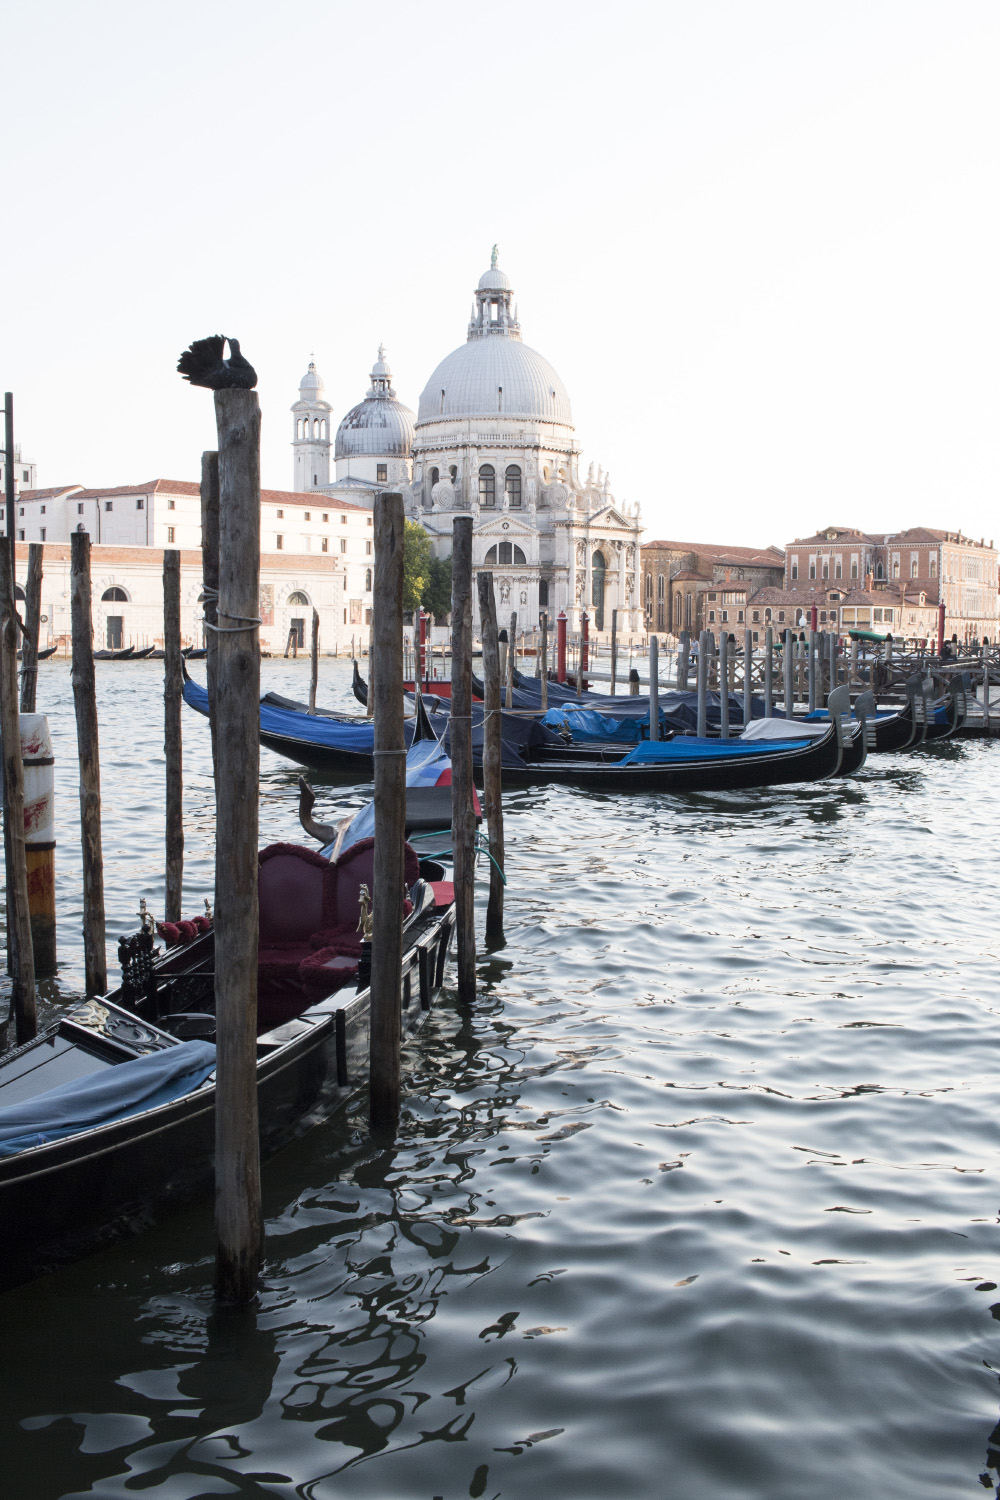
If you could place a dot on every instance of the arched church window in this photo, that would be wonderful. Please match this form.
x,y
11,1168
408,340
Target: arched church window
x,y
879,571
677,609
649,587
505,552
499,398
660,586
298,598
435,475
18,592
114,595
487,485
512,485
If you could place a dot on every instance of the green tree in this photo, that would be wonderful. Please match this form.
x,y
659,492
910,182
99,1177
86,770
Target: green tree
x,y
416,563
436,597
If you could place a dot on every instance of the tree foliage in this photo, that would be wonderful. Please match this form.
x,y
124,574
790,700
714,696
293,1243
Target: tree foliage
x,y
436,597
416,563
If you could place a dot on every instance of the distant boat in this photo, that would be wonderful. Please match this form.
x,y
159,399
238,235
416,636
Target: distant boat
x,y
124,655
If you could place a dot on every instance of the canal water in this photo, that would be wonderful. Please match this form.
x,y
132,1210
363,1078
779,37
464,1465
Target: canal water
x,y
699,1200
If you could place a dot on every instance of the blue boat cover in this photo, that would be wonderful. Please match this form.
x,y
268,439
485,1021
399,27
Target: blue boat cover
x,y
113,1094
690,747
587,724
425,763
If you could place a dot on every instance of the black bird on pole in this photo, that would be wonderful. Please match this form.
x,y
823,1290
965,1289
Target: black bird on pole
x,y
203,364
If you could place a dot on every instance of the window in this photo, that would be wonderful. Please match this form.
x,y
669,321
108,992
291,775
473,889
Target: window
x,y
41,533
307,515
505,552
109,505
854,567
724,616
170,533
171,505
781,617
324,545
543,593
913,567
79,508
895,567
381,473
822,615
343,522
812,570
877,615
739,618
25,476
660,584
19,592
326,515
933,567
343,544
833,617
512,486
140,504
280,514
367,523
826,568
281,542
711,617
756,617
20,536
298,598
368,548
20,510
368,580
795,570
887,616
487,486
41,510
767,616
838,571
114,595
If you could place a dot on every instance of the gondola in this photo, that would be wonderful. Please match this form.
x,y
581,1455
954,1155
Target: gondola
x,y
109,1113
125,654
144,654
195,653
41,655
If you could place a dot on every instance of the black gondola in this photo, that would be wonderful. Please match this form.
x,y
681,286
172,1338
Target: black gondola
x,y
41,655
125,654
58,1197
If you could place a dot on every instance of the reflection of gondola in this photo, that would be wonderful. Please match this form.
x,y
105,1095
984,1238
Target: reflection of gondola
x,y
111,1109
124,655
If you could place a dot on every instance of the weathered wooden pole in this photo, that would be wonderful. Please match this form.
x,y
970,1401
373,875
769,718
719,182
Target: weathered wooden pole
x,y
704,650
788,666
314,662
370,705
853,677
561,646
511,651
683,655
492,754
811,669
210,578
654,688
463,817
238,1219
543,657
95,957
503,657
747,677
22,965
614,652
769,672
173,684
724,685
32,627
390,815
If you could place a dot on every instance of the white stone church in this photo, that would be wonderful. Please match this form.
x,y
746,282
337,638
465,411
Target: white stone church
x,y
494,437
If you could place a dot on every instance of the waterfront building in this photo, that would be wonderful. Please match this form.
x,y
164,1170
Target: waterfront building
x,y
943,566
696,586
902,610
493,438
25,472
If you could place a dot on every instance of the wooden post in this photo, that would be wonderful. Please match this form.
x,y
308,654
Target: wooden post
x,y
32,626
511,651
463,817
614,652
704,650
788,666
854,662
210,579
503,656
172,744
238,1220
811,670
724,684
314,662
747,677
492,753
683,654
543,657
561,646
390,815
22,966
769,672
85,698
654,687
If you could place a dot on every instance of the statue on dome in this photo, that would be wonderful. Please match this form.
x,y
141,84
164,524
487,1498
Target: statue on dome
x,y
494,257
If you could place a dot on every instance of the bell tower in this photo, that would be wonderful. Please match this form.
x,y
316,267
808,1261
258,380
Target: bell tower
x,y
311,434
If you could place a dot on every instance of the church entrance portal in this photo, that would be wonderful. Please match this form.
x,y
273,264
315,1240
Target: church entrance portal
x,y
598,572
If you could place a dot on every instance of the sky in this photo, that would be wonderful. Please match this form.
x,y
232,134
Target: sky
x,y
758,239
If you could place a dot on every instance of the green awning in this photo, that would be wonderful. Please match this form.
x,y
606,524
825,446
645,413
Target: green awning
x,y
866,635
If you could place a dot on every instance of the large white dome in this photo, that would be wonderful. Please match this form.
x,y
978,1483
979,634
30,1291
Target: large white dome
x,y
488,377
494,374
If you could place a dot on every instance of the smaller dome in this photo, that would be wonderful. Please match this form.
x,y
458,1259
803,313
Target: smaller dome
x,y
379,426
494,280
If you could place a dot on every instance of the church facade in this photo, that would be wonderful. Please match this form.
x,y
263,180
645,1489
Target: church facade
x,y
493,437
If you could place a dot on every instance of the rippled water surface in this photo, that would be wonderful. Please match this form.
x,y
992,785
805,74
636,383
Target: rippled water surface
x,y
697,1201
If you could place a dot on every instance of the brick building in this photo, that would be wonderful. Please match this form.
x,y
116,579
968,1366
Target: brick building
x,y
697,586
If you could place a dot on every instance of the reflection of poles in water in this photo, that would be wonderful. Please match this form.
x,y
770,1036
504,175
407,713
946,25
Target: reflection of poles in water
x,y
232,1381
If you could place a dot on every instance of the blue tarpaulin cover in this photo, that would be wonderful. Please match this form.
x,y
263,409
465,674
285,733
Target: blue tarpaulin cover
x,y
690,747
113,1094
586,724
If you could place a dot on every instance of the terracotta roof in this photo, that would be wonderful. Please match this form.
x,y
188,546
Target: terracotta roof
x,y
60,489
688,575
769,556
890,594
188,487
918,534
845,534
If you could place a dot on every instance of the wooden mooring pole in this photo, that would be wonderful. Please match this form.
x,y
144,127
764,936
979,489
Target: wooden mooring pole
x,y
614,652
314,661
654,687
22,963
173,754
789,666
390,815
511,651
492,754
769,672
210,578
704,648
724,685
543,658
95,958
463,817
238,1220
32,626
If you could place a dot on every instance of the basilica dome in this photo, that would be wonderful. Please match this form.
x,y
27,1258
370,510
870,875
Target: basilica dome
x,y
494,374
379,426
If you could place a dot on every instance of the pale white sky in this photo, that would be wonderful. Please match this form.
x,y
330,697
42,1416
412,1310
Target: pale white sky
x,y
758,239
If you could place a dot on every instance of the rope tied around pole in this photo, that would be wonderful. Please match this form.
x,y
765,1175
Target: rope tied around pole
x,y
249,622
